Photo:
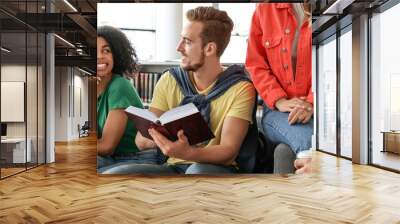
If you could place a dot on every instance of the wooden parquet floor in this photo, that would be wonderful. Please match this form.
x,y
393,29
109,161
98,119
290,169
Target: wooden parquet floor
x,y
70,191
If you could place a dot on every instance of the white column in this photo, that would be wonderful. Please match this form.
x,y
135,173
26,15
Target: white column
x,y
50,98
50,92
360,90
168,30
314,90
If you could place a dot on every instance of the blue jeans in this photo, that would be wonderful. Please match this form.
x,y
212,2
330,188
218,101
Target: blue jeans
x,y
195,168
278,130
142,157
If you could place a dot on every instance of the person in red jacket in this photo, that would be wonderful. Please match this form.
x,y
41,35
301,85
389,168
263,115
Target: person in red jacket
x,y
279,62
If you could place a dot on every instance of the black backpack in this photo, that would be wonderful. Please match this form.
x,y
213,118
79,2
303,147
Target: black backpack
x,y
255,155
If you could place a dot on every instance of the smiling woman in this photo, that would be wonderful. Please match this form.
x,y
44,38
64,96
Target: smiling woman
x,y
115,58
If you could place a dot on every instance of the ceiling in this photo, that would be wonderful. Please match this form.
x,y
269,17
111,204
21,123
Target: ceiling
x,y
73,20
332,15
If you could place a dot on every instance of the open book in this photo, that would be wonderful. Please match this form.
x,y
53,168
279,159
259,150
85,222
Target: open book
x,y
186,117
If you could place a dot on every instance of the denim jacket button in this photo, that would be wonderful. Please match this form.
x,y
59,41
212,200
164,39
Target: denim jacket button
x,y
267,43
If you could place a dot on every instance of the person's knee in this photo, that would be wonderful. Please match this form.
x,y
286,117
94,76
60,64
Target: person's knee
x,y
198,168
103,161
202,168
301,144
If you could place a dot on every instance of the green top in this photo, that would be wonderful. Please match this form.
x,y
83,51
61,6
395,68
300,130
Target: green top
x,y
119,94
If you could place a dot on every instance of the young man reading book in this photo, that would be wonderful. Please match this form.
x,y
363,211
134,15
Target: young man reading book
x,y
186,117
199,80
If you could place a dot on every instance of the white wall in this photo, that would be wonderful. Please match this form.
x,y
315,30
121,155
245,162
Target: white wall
x,y
61,103
15,73
69,85
33,126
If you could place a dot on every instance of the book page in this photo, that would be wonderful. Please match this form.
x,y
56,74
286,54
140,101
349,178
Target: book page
x,y
146,114
178,112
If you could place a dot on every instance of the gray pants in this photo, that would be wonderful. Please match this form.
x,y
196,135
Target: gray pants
x,y
284,159
195,168
142,157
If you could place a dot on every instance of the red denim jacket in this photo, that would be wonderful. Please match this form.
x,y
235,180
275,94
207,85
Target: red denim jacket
x,y
269,51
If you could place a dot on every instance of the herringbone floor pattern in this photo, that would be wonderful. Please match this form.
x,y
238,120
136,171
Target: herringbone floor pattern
x,y
70,191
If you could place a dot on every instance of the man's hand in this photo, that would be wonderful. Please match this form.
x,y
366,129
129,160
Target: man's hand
x,y
178,149
303,165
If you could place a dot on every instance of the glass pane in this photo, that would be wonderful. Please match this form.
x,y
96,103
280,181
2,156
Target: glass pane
x,y
32,87
41,99
235,52
31,98
13,85
385,83
327,96
241,14
117,14
346,94
145,52
137,30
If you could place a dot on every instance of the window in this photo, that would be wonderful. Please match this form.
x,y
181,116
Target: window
x,y
145,52
327,96
241,14
346,94
137,21
22,64
385,84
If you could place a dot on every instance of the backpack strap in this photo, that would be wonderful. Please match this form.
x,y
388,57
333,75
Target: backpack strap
x,y
226,79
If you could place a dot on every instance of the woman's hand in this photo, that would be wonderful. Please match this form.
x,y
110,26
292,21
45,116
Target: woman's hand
x,y
300,111
285,105
98,80
301,114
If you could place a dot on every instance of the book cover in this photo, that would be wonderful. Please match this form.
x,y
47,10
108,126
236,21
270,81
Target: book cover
x,y
186,118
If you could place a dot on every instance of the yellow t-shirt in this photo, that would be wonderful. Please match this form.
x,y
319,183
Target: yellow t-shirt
x,y
237,101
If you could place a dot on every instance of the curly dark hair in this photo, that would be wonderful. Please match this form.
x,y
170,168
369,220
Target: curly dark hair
x,y
124,55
